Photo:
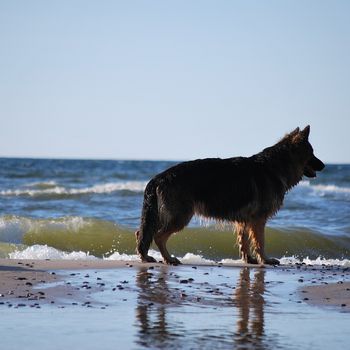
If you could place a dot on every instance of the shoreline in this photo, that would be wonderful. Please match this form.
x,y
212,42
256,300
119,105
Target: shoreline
x,y
38,282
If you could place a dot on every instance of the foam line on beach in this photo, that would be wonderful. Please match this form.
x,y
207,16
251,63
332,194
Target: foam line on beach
x,y
38,252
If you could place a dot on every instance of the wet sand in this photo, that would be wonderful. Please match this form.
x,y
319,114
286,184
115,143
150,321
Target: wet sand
x,y
26,280
127,304
329,295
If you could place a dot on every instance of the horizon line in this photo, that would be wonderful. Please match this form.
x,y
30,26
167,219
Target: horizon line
x,y
128,159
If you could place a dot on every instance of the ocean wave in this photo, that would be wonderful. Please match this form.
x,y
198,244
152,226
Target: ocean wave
x,y
105,238
52,188
12,228
42,184
324,189
42,252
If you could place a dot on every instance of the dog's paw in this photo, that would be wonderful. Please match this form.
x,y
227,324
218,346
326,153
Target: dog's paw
x,y
148,258
251,260
173,261
271,261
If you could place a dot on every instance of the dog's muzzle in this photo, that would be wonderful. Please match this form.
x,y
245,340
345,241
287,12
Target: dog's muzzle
x,y
313,165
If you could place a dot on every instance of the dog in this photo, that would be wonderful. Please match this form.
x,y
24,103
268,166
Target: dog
x,y
246,191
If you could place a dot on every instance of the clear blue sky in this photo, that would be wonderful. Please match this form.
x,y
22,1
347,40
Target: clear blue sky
x,y
172,79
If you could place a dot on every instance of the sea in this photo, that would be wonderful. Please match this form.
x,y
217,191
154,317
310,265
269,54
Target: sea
x,y
90,209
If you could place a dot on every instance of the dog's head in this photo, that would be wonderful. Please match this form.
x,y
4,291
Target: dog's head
x,y
305,152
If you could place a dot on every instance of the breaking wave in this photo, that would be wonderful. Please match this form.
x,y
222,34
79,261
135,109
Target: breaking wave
x,y
106,239
51,188
39,252
325,189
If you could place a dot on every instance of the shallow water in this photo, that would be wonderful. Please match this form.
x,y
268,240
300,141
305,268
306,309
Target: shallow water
x,y
162,307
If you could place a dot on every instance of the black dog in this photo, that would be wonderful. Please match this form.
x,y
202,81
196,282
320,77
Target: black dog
x,y
245,191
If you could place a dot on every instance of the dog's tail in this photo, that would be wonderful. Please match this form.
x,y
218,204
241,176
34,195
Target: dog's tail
x,y
149,221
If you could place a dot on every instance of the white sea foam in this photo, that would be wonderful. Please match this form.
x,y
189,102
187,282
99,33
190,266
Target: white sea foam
x,y
323,189
121,257
42,252
133,186
331,188
291,260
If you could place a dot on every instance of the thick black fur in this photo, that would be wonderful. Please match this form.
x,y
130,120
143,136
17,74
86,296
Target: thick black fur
x,y
246,191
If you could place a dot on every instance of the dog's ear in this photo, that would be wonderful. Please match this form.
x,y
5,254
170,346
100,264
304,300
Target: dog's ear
x,y
305,133
301,135
295,132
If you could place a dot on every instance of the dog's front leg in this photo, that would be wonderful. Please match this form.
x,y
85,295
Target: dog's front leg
x,y
257,237
243,243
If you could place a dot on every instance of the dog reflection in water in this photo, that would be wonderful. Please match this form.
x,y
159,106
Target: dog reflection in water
x,y
153,300
161,313
249,298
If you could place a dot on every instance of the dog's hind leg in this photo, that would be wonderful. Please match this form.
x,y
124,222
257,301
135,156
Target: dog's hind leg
x,y
172,223
160,239
175,213
257,237
143,252
243,243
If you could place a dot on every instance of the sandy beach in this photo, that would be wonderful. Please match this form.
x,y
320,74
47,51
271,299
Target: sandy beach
x,y
157,306
21,280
